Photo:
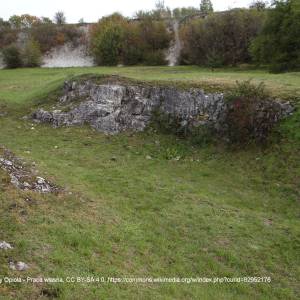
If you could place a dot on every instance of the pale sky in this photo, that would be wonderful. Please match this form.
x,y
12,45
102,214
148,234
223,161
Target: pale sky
x,y
92,10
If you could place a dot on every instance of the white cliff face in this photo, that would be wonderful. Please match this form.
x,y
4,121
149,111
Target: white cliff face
x,y
175,49
67,56
1,62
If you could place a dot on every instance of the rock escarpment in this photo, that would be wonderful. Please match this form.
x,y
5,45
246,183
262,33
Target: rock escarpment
x,y
115,106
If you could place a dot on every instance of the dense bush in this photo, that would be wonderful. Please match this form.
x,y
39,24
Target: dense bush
x,y
154,39
7,34
107,39
49,35
221,38
251,115
116,40
32,56
279,43
45,35
12,57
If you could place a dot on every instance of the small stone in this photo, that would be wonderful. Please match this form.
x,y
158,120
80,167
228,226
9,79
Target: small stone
x,y
40,180
6,162
5,246
148,157
268,222
12,265
55,147
32,128
113,158
19,266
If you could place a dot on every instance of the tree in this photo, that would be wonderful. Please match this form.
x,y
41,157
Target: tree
x,y
279,42
206,6
220,39
32,56
181,12
4,24
23,21
27,21
60,18
258,4
115,40
45,20
15,22
107,37
12,57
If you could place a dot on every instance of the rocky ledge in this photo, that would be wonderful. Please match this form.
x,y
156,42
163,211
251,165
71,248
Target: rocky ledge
x,y
115,106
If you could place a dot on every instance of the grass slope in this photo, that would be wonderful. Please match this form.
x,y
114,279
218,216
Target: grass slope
x,y
215,212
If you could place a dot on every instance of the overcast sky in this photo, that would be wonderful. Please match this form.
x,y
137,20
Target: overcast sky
x,y
92,10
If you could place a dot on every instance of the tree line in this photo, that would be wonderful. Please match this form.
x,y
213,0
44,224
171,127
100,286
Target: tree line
x,y
261,35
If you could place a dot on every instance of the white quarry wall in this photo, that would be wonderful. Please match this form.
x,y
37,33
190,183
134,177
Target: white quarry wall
x,y
175,49
67,56
1,62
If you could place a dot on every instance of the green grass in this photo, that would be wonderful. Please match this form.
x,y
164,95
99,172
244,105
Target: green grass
x,y
216,212
30,82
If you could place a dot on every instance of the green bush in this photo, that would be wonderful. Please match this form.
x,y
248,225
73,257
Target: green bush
x,y
50,35
32,56
221,38
251,115
279,42
45,35
117,40
154,58
12,57
107,38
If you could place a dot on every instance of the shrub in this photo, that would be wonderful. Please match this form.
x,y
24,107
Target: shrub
x,y
116,40
8,35
50,35
107,37
221,38
279,42
251,115
32,56
154,58
45,35
12,57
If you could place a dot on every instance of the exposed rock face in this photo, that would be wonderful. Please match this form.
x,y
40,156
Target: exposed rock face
x,y
112,108
67,56
175,49
118,106
1,62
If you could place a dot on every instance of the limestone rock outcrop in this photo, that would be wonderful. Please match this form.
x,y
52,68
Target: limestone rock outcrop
x,y
115,106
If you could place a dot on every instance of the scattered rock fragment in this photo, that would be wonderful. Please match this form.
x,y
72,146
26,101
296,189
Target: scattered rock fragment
x,y
19,266
5,246
22,177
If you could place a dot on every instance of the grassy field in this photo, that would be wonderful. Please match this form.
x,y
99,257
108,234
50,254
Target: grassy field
x,y
216,212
